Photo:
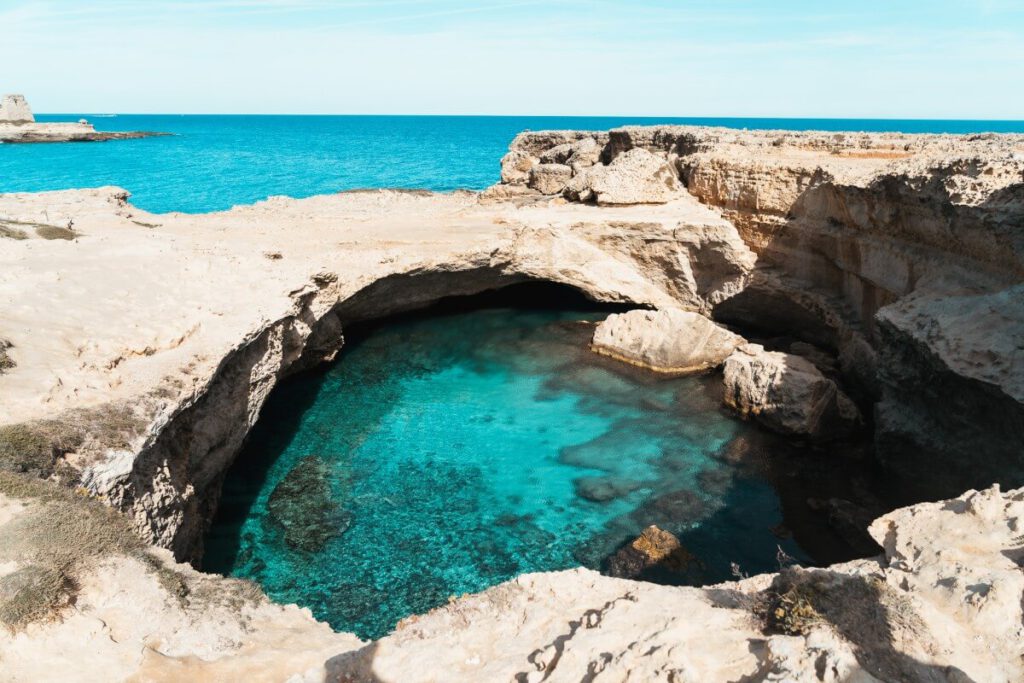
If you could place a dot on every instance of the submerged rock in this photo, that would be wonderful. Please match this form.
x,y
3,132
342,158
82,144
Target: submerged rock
x,y
654,548
671,341
787,394
303,504
603,489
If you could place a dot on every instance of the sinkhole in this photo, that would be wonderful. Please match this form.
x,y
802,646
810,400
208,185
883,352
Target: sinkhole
x,y
452,449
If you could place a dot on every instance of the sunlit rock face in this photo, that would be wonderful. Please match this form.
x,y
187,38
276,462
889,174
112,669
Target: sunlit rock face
x,y
861,240
14,109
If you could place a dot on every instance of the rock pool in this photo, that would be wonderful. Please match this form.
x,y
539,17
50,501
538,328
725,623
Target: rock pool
x,y
444,454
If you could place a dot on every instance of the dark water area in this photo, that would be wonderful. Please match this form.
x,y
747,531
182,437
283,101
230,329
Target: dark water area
x,y
448,451
212,163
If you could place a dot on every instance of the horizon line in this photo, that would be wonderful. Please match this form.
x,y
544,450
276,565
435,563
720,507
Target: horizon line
x,y
542,116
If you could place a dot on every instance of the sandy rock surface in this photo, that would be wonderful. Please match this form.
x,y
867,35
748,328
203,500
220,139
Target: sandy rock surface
x,y
787,394
670,340
155,340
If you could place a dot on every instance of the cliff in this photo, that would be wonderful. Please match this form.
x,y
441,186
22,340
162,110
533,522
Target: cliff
x,y
868,245
138,350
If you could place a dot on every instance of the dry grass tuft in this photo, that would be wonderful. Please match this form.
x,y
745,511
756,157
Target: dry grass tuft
x,y
55,232
34,447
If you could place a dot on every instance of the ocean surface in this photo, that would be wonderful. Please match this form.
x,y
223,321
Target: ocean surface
x,y
446,453
215,162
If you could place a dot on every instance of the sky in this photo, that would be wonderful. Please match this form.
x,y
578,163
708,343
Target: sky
x,y
937,59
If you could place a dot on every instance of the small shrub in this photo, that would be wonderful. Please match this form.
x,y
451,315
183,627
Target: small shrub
x,y
31,594
12,233
26,448
55,232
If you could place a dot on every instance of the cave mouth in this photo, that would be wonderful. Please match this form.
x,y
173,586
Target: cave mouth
x,y
451,449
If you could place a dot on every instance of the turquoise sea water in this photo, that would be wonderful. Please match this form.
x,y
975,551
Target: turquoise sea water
x,y
215,162
444,454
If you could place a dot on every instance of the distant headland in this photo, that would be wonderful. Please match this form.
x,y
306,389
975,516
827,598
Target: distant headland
x,y
17,124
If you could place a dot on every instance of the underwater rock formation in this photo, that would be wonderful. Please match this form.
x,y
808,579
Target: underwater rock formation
x,y
304,505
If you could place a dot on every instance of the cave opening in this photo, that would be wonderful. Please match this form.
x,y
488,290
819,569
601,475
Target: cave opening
x,y
452,448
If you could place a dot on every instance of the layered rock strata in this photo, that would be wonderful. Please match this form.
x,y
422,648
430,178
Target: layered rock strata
x,y
864,240
900,256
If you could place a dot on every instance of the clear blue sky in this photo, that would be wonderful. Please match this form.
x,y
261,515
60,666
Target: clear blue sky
x,y
870,58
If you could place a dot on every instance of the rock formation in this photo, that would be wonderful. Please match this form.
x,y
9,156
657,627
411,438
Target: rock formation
x,y
14,109
901,257
787,394
852,230
17,124
670,340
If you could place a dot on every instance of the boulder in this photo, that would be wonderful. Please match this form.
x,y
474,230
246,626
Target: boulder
x,y
515,167
549,178
670,340
787,394
634,177
654,548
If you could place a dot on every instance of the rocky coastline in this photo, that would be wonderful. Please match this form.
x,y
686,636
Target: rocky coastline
x,y
18,125
880,276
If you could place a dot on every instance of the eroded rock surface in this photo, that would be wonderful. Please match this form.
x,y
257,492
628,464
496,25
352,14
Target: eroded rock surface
x,y
670,341
898,256
787,394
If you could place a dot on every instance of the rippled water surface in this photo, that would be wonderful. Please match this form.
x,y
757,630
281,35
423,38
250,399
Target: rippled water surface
x,y
442,455
214,162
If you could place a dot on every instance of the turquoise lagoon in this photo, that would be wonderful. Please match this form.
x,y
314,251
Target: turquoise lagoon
x,y
446,453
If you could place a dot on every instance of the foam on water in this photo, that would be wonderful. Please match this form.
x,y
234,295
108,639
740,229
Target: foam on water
x,y
447,454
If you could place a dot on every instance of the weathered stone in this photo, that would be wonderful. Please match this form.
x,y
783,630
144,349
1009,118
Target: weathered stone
x,y
787,394
653,548
515,167
634,177
14,109
549,178
671,341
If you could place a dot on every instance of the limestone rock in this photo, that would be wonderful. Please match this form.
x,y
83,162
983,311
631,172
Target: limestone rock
x,y
14,109
515,167
787,394
669,340
634,177
653,548
549,178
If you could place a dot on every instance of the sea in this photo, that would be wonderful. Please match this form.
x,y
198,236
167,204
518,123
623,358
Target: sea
x,y
212,163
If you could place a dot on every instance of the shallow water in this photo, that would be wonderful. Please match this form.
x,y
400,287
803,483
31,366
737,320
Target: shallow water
x,y
214,162
446,454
